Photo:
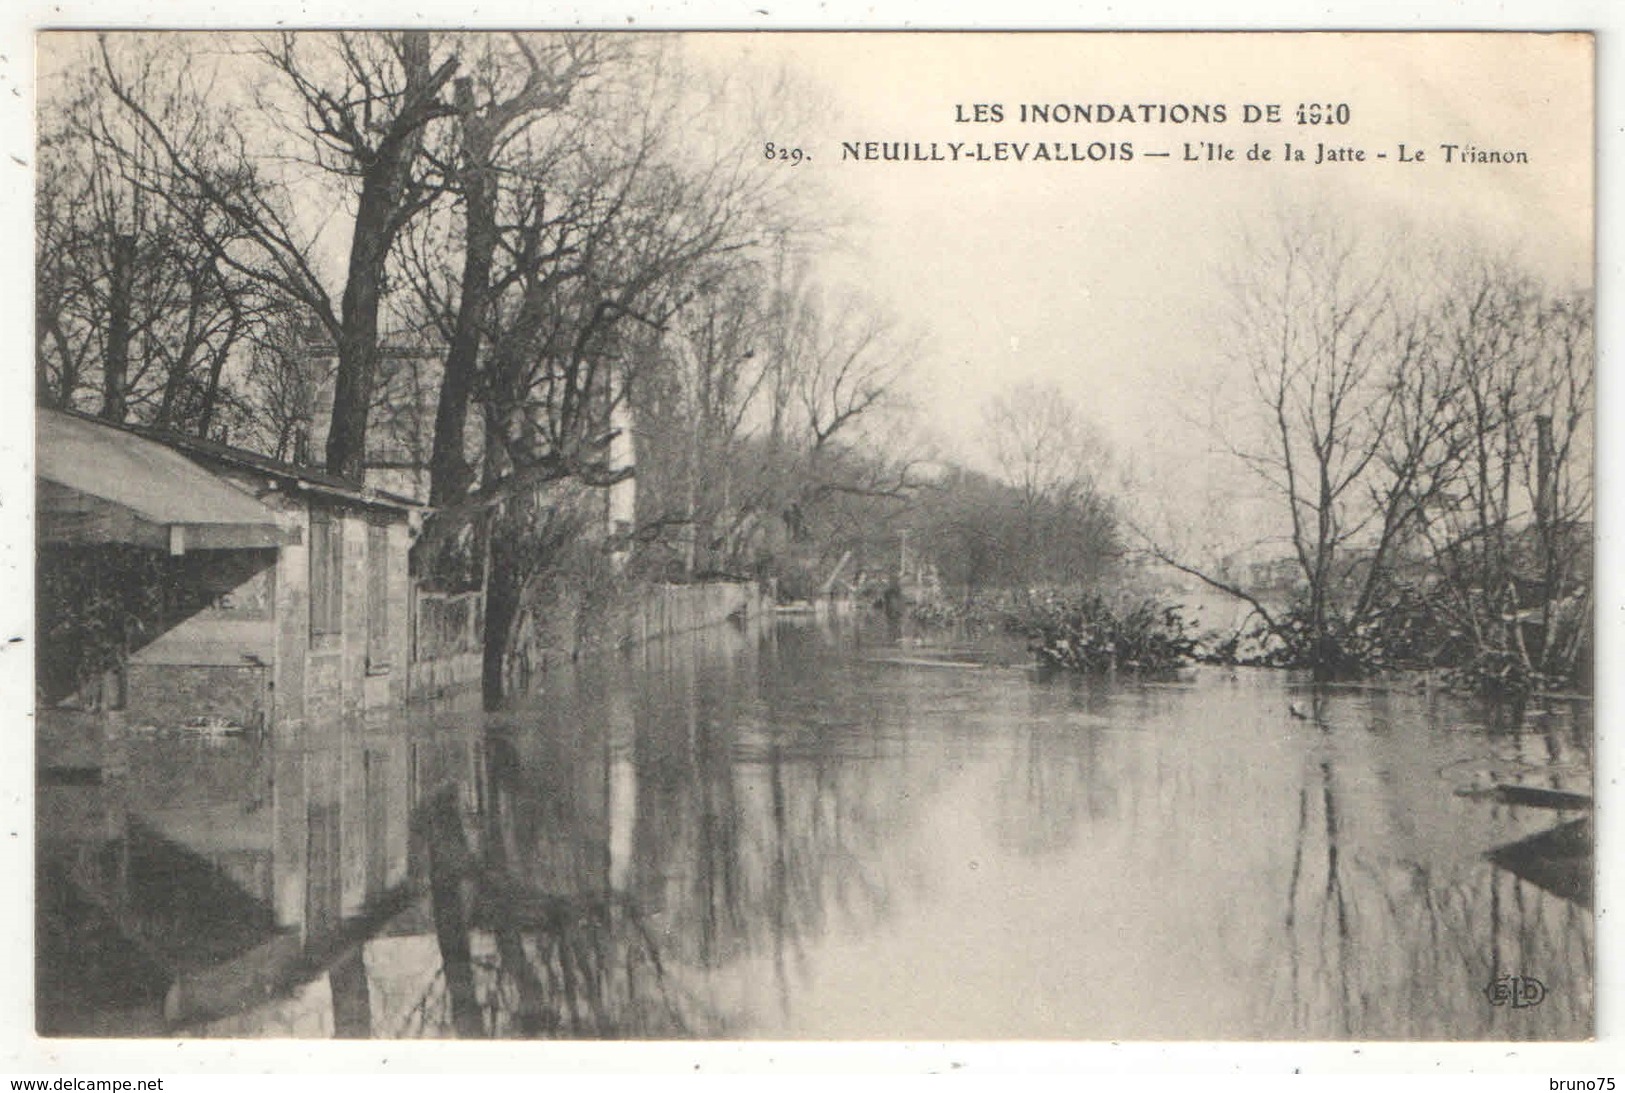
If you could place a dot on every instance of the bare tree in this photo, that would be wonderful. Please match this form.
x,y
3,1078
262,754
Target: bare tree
x,y
606,228
1047,452
1040,441
65,344
358,105
1316,328
691,412
753,421
281,387
1510,528
1340,420
130,284
1426,439
516,81
829,382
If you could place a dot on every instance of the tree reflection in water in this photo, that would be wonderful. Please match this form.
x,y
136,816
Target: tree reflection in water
x,y
757,821
1048,793
1383,944
637,868
572,960
771,833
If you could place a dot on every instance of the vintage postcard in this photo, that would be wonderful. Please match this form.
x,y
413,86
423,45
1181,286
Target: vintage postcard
x,y
829,536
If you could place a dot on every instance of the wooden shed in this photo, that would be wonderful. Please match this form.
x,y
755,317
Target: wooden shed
x,y
246,591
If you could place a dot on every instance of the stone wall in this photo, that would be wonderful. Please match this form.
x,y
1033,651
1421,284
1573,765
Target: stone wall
x,y
167,695
666,609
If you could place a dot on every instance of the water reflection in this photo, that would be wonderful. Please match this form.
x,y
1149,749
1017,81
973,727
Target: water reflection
x,y
1386,915
802,832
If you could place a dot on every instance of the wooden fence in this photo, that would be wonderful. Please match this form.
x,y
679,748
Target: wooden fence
x,y
446,642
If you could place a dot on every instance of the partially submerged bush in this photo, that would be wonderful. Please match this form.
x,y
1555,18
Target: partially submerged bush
x,y
976,612
1499,673
1074,630
1083,632
1410,630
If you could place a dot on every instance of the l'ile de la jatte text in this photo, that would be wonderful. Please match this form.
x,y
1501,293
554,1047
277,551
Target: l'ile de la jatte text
x,y
1151,142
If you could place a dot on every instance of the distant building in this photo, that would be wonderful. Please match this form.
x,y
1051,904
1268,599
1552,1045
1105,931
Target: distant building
x,y
1275,576
400,429
284,591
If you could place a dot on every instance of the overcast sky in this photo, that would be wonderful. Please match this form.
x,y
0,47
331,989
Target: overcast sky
x,y
1107,277
1549,218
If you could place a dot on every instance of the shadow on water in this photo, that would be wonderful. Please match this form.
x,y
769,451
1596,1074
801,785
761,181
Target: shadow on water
x,y
816,831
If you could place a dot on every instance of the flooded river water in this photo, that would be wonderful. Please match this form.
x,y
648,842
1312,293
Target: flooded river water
x,y
816,831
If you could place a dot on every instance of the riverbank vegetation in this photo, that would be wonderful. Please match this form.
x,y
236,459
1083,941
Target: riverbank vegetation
x,y
516,273
1074,629
502,272
1423,421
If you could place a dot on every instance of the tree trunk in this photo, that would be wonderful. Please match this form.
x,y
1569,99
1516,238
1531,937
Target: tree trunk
x,y
503,583
385,206
211,391
352,999
1546,534
450,476
180,365
358,333
1324,651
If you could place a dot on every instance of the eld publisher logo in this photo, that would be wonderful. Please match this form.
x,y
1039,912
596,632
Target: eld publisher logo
x,y
1517,991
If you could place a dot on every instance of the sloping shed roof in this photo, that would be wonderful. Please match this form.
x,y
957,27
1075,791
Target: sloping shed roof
x,y
99,484
309,479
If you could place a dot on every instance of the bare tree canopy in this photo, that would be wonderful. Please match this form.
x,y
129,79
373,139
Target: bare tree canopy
x,y
1424,421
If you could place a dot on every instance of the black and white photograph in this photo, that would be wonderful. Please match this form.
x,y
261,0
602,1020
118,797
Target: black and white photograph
x,y
618,535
